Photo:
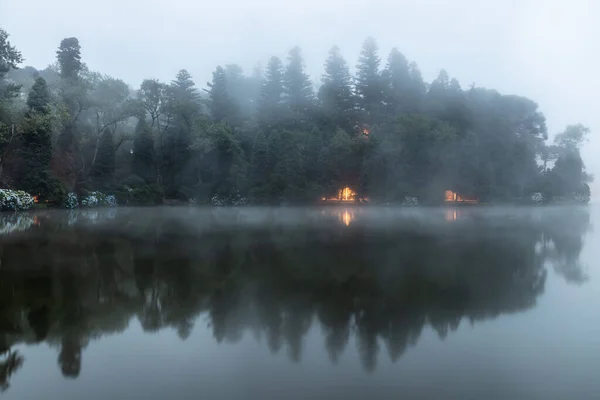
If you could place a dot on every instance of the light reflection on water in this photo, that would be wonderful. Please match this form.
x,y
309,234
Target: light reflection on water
x,y
257,303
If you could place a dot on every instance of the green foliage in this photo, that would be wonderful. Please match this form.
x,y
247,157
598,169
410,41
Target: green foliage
x,y
271,93
103,169
297,88
143,195
10,58
369,84
386,134
220,103
336,94
69,58
143,153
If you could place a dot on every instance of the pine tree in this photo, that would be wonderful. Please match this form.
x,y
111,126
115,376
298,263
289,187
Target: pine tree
x,y
184,88
36,142
143,164
337,98
178,139
271,92
221,105
10,57
369,87
417,87
397,80
69,58
298,90
102,172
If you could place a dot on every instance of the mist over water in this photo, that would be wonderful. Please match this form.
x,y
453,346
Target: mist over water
x,y
299,303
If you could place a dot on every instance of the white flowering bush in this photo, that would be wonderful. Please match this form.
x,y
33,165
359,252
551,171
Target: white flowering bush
x,y
15,200
410,201
582,197
99,199
90,201
537,198
232,200
111,200
72,201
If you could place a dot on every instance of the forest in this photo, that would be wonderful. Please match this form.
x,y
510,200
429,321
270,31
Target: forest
x,y
272,137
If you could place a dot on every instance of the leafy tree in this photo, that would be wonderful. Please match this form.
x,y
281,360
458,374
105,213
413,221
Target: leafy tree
x,y
222,167
103,170
36,143
143,160
10,58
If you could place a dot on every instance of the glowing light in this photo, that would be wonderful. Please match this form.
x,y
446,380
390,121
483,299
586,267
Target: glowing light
x,y
346,217
36,199
347,194
451,215
453,197
365,131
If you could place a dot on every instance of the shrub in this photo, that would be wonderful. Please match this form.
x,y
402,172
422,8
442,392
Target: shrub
x,y
15,200
90,201
99,199
71,201
144,195
234,199
537,198
410,201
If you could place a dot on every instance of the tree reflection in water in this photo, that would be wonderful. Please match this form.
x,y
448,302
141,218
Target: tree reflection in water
x,y
381,279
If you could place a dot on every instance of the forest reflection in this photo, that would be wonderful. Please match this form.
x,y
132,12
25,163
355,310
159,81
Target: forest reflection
x,y
70,279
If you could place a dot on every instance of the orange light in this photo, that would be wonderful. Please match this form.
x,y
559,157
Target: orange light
x,y
365,131
346,194
451,215
346,218
36,199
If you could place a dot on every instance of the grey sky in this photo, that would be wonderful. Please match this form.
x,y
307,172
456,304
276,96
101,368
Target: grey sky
x,y
547,50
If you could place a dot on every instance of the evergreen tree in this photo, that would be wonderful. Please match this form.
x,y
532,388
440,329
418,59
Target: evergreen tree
x,y
36,142
69,58
176,152
10,57
337,98
369,88
39,97
102,172
418,88
143,164
220,103
397,80
271,92
297,88
184,89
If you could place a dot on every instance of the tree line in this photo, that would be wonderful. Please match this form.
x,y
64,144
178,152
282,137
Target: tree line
x,y
272,138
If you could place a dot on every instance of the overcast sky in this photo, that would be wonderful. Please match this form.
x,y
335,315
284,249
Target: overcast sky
x,y
547,50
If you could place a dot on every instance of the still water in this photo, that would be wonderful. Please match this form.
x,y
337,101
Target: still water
x,y
166,303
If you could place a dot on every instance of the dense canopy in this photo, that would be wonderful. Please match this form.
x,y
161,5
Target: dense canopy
x,y
270,137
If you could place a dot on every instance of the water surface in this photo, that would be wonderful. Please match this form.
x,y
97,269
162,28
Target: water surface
x,y
462,303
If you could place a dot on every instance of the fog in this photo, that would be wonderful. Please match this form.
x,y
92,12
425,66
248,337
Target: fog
x,y
546,51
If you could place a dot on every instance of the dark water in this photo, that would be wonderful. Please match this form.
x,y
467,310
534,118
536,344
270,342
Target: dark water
x,y
468,303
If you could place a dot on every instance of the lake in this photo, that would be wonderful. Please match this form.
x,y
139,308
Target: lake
x,y
256,303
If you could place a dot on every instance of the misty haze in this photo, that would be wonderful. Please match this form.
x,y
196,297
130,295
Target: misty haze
x,y
314,200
